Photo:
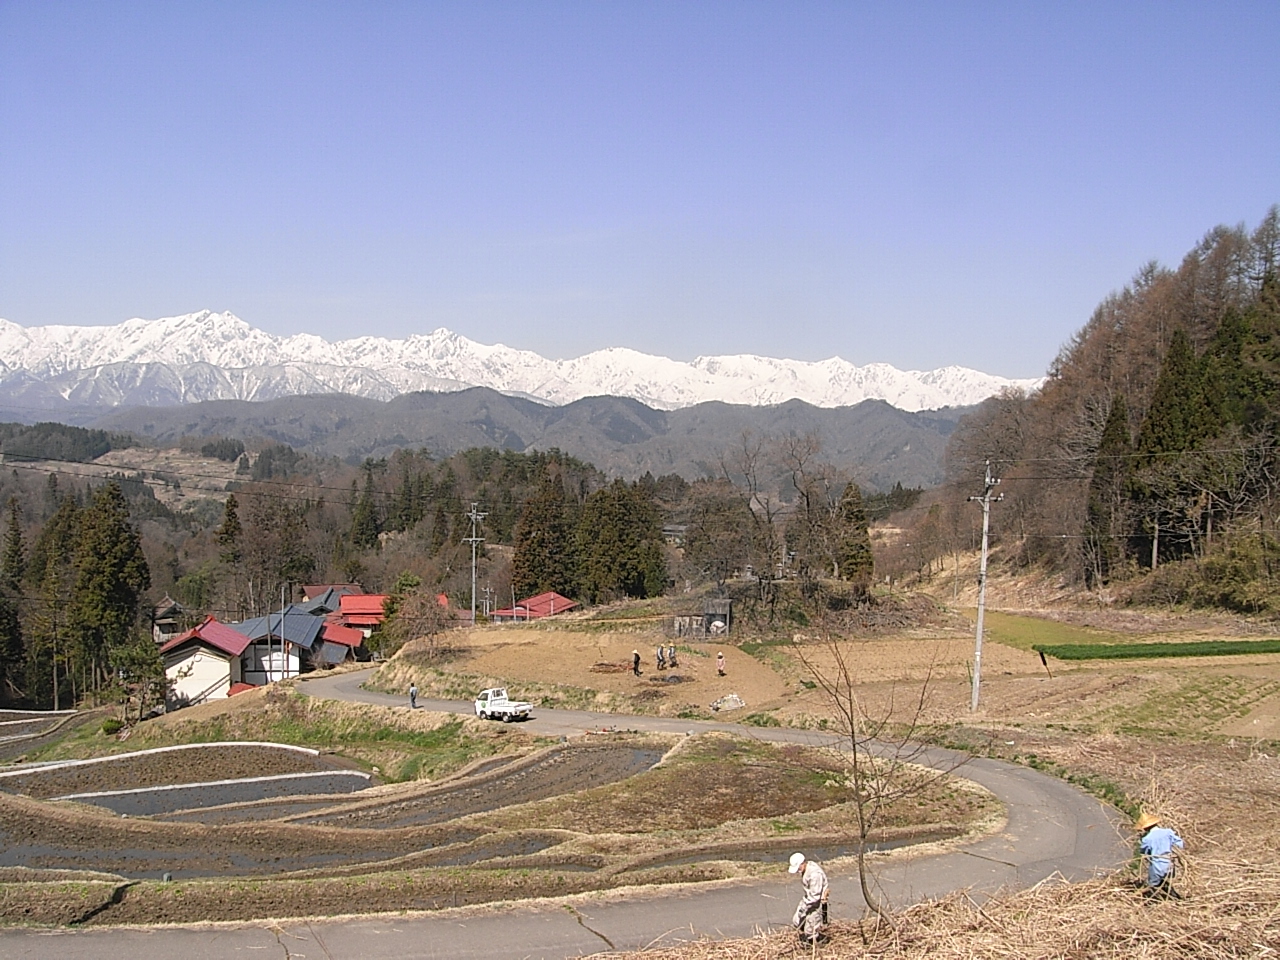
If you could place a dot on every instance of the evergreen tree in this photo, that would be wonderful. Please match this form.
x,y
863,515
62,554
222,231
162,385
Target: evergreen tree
x,y
12,654
229,532
277,550
365,525
1261,353
1178,418
439,529
1106,495
1227,388
619,544
111,576
52,570
13,567
544,544
853,543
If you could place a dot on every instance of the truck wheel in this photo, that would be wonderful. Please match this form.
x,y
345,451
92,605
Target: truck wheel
x,y
483,715
506,718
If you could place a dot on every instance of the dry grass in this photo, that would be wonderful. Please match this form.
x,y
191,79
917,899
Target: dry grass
x,y
1223,798
1103,918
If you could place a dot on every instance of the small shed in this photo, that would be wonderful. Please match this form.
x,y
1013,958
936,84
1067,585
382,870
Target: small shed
x,y
716,620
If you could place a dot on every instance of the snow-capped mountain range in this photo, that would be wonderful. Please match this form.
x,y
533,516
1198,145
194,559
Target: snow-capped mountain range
x,y
218,356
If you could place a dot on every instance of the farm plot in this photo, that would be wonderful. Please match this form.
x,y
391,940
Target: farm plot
x,y
575,817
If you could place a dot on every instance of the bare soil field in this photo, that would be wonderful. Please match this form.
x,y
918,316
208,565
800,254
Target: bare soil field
x,y
547,824
563,668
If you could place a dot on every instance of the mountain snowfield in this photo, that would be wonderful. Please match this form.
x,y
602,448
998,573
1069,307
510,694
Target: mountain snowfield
x,y
218,356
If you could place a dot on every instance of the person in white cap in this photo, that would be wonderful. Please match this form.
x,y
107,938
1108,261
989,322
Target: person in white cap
x,y
811,914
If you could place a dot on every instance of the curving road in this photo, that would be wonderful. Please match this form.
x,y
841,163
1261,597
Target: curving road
x,y
1052,828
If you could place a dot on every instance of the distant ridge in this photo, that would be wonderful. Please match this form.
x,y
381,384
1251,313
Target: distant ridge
x,y
217,356
879,444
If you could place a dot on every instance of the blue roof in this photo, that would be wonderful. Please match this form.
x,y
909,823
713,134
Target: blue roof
x,y
328,602
334,652
300,627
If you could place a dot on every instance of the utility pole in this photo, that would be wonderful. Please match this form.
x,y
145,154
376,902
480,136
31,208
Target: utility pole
x,y
986,500
475,541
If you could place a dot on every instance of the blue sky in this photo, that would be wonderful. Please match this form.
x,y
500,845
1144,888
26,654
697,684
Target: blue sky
x,y
919,184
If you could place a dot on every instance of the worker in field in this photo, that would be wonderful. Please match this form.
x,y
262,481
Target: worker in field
x,y
1156,844
811,914
635,662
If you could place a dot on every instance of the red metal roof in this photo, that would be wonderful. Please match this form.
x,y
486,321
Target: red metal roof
x,y
337,633
534,608
363,604
239,687
211,633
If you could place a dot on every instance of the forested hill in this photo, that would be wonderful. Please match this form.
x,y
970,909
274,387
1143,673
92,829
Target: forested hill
x,y
1153,443
879,444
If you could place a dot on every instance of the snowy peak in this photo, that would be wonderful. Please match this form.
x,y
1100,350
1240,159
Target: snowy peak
x,y
209,356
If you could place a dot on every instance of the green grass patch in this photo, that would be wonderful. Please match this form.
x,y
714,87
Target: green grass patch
x,y
1148,651
1030,633
761,720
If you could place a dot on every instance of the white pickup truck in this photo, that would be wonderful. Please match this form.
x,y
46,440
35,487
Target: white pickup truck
x,y
493,704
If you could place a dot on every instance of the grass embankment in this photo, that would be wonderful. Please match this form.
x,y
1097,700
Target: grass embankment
x,y
397,744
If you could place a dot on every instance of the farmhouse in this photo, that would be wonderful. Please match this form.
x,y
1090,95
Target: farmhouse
x,y
535,608
363,611
204,663
166,620
283,644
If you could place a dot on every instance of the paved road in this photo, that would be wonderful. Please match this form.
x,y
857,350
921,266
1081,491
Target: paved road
x,y
1052,829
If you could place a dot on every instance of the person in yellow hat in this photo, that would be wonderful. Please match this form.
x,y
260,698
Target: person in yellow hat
x,y
1156,844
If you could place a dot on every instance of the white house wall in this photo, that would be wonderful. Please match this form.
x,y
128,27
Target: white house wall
x,y
199,674
262,663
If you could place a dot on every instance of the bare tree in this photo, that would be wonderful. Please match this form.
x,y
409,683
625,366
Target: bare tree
x,y
885,758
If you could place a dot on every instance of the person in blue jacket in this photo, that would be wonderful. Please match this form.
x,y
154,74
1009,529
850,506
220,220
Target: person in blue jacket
x,y
1156,844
